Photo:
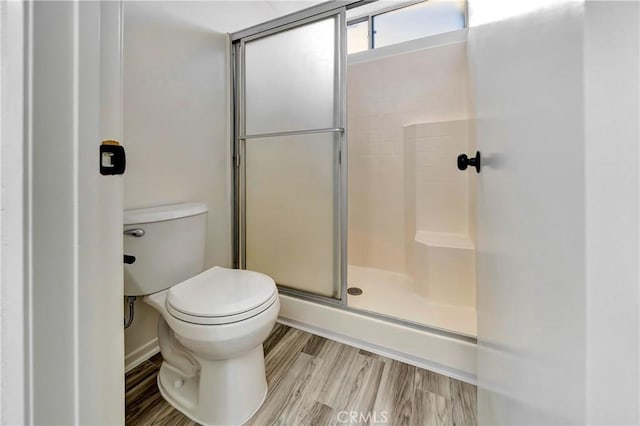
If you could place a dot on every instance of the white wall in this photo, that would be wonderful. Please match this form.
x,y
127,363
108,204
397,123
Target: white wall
x,y
612,111
388,89
53,272
558,108
99,249
226,16
74,221
13,350
527,75
440,189
176,118
440,249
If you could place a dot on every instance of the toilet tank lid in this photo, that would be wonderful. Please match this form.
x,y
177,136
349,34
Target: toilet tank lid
x,y
160,213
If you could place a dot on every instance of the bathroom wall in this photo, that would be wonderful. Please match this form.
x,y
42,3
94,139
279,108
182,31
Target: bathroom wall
x,y
438,189
530,273
422,81
177,118
439,202
558,243
13,259
175,131
73,340
559,313
612,132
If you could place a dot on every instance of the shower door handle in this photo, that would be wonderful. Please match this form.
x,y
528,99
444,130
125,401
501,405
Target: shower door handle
x,y
464,162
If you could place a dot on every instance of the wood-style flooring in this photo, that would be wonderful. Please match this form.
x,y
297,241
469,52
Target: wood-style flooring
x,y
316,381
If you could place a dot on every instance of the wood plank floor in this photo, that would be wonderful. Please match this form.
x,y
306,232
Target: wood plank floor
x,y
316,381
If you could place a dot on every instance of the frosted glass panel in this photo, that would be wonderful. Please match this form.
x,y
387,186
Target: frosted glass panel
x,y
290,211
289,79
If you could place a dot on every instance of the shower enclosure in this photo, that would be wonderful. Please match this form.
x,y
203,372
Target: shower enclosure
x,y
306,116
548,83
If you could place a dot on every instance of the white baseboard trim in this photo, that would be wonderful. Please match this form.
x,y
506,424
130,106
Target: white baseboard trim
x,y
382,351
140,355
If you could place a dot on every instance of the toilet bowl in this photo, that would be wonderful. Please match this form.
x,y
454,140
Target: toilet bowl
x,y
212,323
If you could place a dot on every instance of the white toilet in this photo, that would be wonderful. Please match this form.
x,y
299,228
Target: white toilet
x,y
212,323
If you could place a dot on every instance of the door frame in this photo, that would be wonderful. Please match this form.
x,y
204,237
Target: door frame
x,y
14,404
61,353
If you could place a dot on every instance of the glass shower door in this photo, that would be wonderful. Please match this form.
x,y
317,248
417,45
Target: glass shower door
x,y
290,142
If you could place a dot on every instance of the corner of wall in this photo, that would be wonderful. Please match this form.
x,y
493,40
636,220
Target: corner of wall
x,y
176,127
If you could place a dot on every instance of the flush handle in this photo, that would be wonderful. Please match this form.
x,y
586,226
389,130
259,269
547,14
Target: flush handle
x,y
464,162
136,232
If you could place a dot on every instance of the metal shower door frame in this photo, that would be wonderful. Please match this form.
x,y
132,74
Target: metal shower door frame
x,y
340,140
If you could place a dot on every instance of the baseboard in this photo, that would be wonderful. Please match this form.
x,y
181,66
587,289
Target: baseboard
x,y
143,353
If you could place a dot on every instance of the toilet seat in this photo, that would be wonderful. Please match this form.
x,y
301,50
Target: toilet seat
x,y
219,320
221,296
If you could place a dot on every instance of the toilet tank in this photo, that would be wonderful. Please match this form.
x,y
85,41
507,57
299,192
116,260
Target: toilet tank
x,y
168,243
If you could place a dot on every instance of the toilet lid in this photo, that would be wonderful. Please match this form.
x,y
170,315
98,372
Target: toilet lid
x,y
221,292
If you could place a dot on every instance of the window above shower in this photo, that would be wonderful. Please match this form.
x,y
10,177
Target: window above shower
x,y
384,23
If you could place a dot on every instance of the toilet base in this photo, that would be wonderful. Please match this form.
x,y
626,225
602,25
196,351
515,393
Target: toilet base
x,y
225,392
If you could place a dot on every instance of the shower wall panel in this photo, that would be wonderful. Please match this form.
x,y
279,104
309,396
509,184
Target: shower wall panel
x,y
384,95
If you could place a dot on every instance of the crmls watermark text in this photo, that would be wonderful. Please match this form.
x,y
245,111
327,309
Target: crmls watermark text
x,y
362,417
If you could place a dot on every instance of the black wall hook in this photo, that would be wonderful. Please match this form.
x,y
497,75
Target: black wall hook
x,y
464,161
